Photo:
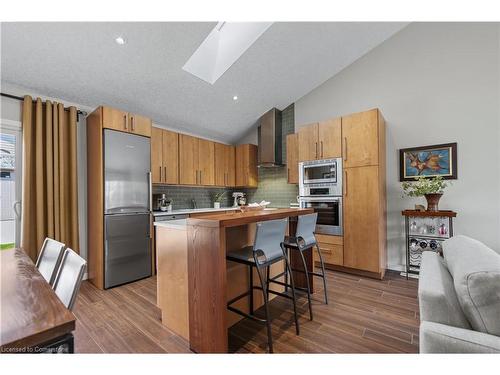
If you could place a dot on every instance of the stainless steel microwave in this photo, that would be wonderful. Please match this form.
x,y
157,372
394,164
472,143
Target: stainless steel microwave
x,y
320,175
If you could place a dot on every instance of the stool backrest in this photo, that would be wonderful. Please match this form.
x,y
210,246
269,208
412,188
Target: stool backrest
x,y
69,277
269,236
49,259
306,226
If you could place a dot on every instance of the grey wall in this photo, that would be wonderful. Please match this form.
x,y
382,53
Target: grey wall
x,y
434,83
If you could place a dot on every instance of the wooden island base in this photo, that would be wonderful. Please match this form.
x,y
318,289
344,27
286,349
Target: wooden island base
x,y
195,281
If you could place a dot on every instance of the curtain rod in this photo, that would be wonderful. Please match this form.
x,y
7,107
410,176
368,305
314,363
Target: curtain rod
x,y
20,98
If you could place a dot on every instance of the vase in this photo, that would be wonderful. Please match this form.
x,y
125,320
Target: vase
x,y
432,201
216,204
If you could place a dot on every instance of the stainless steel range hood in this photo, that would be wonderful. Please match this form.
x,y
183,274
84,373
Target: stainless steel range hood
x,y
270,139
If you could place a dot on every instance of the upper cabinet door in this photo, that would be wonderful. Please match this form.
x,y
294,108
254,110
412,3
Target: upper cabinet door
x,y
292,158
115,119
170,157
230,166
308,142
360,139
330,139
246,166
220,164
188,160
206,162
157,155
140,125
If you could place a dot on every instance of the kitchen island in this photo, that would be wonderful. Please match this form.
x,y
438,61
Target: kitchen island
x,y
199,245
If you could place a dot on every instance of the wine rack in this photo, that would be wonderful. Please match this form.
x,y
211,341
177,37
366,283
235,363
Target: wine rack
x,y
425,231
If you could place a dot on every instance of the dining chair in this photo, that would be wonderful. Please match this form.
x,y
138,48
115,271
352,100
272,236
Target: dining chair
x,y
49,259
69,277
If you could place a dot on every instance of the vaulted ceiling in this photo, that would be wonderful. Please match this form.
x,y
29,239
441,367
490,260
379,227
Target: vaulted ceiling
x,y
82,63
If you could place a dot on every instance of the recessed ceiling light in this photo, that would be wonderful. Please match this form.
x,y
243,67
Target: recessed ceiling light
x,y
235,98
120,40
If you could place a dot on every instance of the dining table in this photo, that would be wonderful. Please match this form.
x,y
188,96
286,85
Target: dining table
x,y
32,317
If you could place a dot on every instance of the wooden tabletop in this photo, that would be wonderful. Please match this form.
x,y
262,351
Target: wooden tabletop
x,y
31,313
237,218
443,213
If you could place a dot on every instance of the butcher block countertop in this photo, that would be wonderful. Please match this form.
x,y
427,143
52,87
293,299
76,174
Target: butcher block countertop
x,y
237,218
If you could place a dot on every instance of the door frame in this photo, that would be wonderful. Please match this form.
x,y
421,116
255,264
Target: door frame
x,y
15,128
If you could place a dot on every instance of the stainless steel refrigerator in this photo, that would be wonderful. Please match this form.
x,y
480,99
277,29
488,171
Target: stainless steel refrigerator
x,y
127,207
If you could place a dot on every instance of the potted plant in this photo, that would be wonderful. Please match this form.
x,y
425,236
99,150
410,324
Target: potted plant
x,y
431,188
217,198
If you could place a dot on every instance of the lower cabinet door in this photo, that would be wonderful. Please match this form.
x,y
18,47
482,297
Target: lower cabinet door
x,y
332,250
362,215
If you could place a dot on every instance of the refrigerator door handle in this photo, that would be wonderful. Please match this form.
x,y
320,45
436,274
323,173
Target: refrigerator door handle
x,y
150,191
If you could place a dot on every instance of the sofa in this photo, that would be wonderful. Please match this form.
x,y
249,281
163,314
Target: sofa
x,y
459,298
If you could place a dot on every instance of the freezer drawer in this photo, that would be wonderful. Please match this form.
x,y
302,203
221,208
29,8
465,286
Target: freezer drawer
x,y
127,248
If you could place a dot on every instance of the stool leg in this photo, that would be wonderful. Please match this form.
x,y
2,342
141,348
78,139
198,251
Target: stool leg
x,y
266,306
286,253
308,286
288,268
268,276
250,270
323,271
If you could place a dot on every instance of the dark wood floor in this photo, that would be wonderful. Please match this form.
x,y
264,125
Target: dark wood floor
x,y
363,316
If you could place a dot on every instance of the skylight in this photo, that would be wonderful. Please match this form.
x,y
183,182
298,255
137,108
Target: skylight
x,y
223,46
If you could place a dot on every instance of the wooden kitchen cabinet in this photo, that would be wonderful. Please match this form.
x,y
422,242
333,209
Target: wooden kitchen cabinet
x,y
225,165
321,140
196,161
188,160
364,185
206,162
246,166
140,125
308,142
116,119
292,158
330,139
361,218
170,157
332,249
164,156
360,139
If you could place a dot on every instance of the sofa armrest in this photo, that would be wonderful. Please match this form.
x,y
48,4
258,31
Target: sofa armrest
x,y
441,338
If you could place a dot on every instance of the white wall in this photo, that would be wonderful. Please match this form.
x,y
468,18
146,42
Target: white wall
x,y
434,83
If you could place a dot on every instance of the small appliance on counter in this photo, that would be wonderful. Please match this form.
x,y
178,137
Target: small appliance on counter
x,y
239,199
161,203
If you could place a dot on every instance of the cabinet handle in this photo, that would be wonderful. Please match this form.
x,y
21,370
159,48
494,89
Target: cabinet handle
x,y
288,174
345,183
160,174
165,173
125,122
316,149
345,149
200,177
321,148
132,120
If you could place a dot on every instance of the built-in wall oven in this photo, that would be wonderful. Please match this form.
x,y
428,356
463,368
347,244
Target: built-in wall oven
x,y
320,188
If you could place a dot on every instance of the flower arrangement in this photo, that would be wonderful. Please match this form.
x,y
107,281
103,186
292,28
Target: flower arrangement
x,y
217,197
424,185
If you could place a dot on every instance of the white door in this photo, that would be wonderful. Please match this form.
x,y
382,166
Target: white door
x,y
10,183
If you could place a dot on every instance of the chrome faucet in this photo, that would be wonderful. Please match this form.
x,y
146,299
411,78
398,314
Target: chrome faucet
x,y
193,201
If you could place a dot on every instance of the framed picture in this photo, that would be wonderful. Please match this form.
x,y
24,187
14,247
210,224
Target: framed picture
x,y
428,161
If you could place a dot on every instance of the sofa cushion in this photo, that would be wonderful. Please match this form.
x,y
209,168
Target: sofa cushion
x,y
475,269
436,294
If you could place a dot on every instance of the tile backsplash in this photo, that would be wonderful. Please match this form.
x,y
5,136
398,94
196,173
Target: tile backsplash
x,y
182,197
273,187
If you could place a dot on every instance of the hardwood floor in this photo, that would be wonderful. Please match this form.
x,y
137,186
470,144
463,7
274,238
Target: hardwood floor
x,y
363,316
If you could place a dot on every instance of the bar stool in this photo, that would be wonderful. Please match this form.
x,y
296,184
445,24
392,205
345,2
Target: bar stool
x,y
304,240
267,249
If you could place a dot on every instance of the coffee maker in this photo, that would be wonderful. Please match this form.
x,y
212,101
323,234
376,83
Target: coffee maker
x,y
161,203
239,199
